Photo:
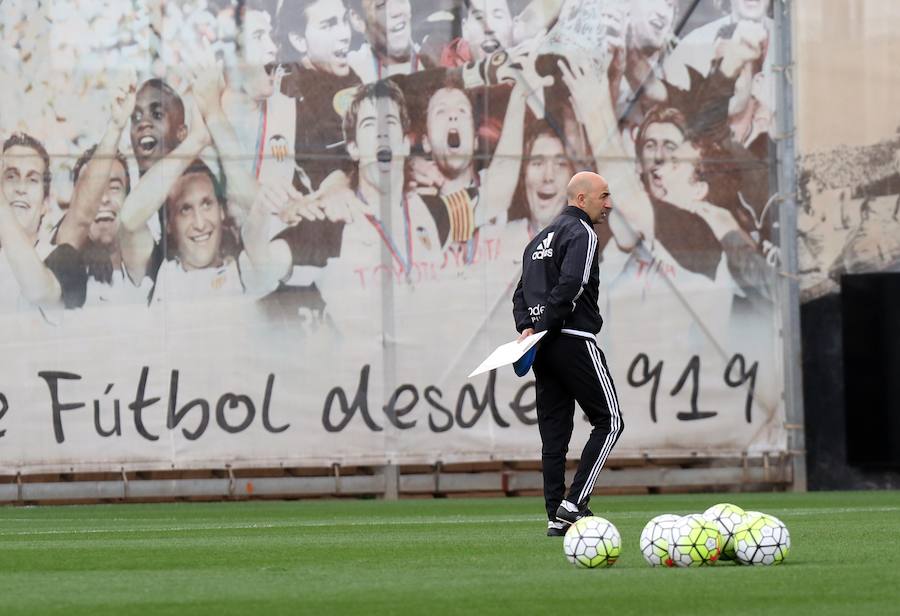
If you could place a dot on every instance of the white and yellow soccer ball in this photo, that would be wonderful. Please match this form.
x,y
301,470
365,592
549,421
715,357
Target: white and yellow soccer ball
x,y
592,542
695,541
655,539
761,539
727,517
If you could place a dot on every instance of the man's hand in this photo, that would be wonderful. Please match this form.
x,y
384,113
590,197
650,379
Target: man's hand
x,y
525,333
122,104
747,44
292,207
589,94
337,209
298,210
521,65
614,21
426,173
720,220
336,205
207,83
624,234
274,199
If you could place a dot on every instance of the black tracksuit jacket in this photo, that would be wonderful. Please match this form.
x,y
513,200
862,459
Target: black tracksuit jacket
x,y
560,278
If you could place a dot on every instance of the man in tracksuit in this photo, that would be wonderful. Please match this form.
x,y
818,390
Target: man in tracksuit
x,y
558,293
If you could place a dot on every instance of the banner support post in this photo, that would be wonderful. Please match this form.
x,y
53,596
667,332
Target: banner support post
x,y
391,481
785,163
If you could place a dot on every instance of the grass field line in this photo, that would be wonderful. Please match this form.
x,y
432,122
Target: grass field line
x,y
419,521
459,518
298,524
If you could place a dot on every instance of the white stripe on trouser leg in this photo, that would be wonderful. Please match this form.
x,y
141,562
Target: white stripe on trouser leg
x,y
612,408
605,379
612,405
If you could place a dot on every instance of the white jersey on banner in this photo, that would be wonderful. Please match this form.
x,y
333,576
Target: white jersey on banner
x,y
355,278
119,291
174,283
672,303
11,299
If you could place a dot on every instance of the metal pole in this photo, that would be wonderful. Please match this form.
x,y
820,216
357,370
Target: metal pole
x,y
789,292
388,323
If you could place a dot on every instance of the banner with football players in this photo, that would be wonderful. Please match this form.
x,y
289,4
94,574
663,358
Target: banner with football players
x,y
282,232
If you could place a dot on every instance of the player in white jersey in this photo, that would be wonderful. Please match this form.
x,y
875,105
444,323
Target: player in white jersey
x,y
668,211
201,258
389,49
91,222
450,141
199,242
33,274
386,219
108,281
263,118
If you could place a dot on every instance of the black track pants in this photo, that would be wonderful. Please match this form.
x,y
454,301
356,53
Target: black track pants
x,y
569,369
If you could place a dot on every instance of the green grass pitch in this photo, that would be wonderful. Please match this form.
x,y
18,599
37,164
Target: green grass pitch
x,y
472,556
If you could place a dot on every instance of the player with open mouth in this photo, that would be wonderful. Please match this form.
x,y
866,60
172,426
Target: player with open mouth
x,y
157,123
487,26
107,184
660,138
250,100
450,141
450,137
389,49
384,215
314,44
547,172
198,258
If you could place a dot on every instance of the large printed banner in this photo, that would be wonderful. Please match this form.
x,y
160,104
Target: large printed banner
x,y
281,233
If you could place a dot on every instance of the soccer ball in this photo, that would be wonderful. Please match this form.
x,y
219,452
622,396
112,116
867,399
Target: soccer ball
x,y
761,539
695,541
655,539
727,517
592,542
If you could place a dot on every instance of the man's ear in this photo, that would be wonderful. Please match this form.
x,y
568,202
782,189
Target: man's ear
x,y
353,150
465,25
406,147
701,190
182,133
298,42
633,132
357,22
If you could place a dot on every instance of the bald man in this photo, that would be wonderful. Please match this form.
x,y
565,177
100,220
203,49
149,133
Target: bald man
x,y
557,293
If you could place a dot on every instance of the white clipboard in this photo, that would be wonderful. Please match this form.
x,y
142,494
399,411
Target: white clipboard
x,y
506,354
